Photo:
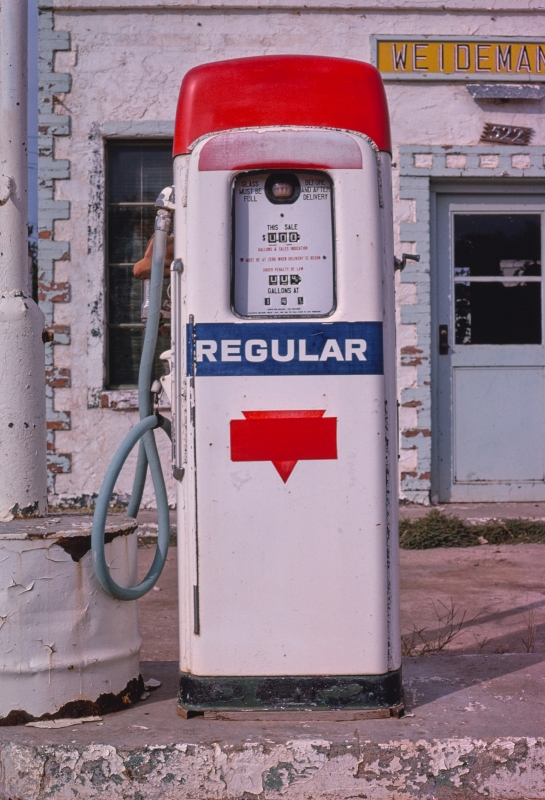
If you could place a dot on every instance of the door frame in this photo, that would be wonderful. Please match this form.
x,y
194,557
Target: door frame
x,y
466,187
417,167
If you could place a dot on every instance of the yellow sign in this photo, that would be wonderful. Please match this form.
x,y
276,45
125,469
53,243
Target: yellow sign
x,y
476,59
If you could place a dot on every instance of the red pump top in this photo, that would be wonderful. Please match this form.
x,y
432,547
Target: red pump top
x,y
282,90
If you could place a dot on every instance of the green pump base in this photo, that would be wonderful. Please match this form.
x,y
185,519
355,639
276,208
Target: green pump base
x,y
370,693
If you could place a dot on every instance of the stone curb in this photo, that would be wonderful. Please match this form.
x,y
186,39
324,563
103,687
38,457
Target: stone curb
x,y
302,769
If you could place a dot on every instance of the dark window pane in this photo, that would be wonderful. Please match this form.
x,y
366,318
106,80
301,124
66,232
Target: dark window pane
x,y
497,245
125,348
129,231
494,313
124,296
124,174
157,173
137,173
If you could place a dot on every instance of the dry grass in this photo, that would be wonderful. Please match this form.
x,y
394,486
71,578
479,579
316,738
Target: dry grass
x,y
531,627
421,642
443,530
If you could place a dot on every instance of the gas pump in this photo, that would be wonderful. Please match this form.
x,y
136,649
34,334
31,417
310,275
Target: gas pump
x,y
283,389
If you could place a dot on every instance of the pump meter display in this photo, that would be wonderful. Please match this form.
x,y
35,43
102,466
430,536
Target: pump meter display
x,y
283,254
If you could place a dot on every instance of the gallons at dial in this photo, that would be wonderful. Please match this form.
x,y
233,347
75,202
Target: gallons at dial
x,y
283,256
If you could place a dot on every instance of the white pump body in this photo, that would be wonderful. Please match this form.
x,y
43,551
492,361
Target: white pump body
x,y
296,575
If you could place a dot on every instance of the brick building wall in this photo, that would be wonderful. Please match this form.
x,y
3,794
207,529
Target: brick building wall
x,y
110,72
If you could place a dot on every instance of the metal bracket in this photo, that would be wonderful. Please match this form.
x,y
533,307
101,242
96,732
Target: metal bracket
x,y
401,263
156,391
177,265
178,473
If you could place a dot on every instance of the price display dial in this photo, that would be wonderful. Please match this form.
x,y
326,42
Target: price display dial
x,y
283,254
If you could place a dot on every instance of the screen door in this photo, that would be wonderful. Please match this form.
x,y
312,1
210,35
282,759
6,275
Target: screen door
x,y
489,353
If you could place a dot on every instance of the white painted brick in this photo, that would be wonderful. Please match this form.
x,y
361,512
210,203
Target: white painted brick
x,y
405,211
408,460
521,161
407,378
423,160
407,336
488,162
408,418
406,294
456,161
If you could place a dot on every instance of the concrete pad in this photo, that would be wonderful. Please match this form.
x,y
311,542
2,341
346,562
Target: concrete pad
x,y
158,610
475,728
499,588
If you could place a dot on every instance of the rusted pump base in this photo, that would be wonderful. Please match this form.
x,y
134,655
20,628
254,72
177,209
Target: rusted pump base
x,y
347,696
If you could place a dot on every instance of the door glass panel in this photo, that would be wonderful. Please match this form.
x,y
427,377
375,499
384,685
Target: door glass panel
x,y
497,278
492,313
498,245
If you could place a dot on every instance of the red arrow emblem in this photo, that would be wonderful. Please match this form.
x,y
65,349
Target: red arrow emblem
x,y
283,437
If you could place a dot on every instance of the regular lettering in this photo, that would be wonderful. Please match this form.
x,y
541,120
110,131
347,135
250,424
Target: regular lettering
x,y
255,350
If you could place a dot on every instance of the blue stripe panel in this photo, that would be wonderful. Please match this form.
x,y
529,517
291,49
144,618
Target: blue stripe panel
x,y
285,348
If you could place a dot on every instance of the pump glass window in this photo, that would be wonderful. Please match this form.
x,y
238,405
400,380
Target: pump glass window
x,y
283,255
136,173
497,278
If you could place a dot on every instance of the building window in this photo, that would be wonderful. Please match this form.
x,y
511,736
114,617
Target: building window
x,y
136,172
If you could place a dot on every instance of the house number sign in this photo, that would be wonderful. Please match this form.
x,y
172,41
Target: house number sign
x,y
506,134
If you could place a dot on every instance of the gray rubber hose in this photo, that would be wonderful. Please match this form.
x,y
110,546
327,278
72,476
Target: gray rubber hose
x,y
142,433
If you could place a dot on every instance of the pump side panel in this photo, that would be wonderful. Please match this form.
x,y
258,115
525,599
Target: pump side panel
x,y
392,432
292,576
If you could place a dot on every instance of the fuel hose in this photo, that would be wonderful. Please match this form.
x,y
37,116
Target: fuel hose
x,y
141,434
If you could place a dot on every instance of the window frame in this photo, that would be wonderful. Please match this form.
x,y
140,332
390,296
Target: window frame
x,y
109,143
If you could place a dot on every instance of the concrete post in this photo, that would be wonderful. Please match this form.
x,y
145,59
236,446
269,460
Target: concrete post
x,y
23,487
66,647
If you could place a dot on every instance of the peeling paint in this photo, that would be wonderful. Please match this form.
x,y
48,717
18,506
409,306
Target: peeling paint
x,y
79,643
299,769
